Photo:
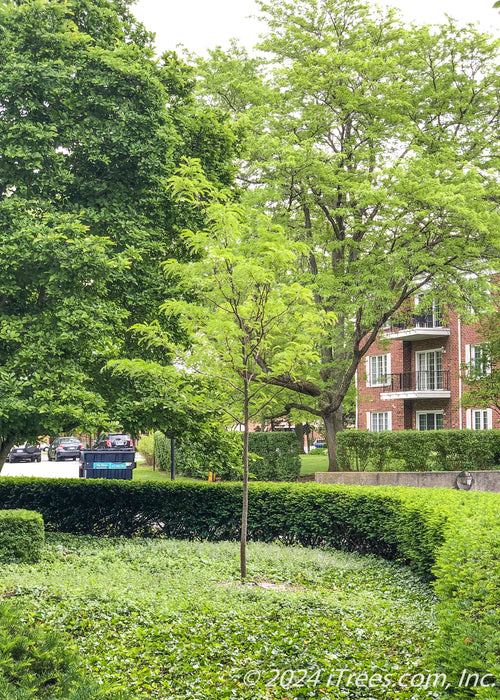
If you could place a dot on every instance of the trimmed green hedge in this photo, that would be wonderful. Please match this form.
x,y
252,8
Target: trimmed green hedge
x,y
452,536
277,456
22,536
414,450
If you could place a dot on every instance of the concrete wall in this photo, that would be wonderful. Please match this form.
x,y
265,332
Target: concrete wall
x,y
481,480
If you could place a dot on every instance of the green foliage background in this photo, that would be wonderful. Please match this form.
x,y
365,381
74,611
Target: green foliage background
x,y
91,127
278,456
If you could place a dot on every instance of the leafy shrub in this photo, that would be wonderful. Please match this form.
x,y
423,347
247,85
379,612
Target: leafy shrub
x,y
356,450
36,664
279,455
209,448
162,451
352,518
21,536
145,447
441,450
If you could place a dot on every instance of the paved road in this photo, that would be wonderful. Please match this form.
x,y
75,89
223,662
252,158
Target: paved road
x,y
57,470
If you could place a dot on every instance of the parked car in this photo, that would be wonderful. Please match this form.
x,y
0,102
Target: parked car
x,y
25,453
319,444
114,441
64,448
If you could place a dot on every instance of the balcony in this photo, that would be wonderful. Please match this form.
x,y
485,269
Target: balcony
x,y
424,327
432,384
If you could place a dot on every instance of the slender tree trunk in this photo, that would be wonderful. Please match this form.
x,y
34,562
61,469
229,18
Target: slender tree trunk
x,y
333,425
5,447
244,510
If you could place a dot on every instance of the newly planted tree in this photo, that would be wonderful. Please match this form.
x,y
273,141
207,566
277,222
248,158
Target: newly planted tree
x,y
242,310
376,145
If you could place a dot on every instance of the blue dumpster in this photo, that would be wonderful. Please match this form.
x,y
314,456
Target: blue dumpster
x,y
107,464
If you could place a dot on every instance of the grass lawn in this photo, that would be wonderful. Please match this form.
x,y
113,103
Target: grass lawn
x,y
169,620
314,463
144,473
310,463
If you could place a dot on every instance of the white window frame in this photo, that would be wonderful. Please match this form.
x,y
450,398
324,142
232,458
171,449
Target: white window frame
x,y
434,310
474,353
373,421
376,378
431,379
426,413
481,416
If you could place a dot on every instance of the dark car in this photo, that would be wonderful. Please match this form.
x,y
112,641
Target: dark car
x,y
64,448
25,453
113,441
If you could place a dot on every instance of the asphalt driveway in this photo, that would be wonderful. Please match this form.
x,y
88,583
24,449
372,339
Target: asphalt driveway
x,y
55,470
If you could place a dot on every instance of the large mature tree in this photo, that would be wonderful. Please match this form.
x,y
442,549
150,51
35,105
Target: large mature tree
x,y
91,127
377,145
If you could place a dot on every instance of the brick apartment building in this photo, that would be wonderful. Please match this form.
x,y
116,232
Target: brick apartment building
x,y
412,379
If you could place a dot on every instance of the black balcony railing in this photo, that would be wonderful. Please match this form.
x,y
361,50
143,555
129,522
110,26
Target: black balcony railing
x,y
431,320
431,380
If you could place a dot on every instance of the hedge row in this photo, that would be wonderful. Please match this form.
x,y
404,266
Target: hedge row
x,y
413,450
22,536
453,536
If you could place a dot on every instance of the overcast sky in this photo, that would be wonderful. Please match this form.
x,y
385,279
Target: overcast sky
x,y
203,24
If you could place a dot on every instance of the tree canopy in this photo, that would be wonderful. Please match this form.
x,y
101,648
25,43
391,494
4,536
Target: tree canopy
x,y
91,127
376,145
244,316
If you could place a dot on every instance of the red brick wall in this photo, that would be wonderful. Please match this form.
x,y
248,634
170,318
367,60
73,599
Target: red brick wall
x,y
403,360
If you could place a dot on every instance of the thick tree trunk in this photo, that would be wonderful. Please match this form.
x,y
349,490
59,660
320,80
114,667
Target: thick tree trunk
x,y
244,510
5,447
300,431
333,425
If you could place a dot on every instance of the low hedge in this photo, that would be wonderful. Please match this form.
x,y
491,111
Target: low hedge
x,y
450,536
22,536
414,450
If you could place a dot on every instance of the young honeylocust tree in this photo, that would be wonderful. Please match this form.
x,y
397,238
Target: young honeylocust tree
x,y
376,145
242,307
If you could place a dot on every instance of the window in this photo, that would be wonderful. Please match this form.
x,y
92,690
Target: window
x,y
427,315
379,421
476,358
429,370
430,420
378,370
479,418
